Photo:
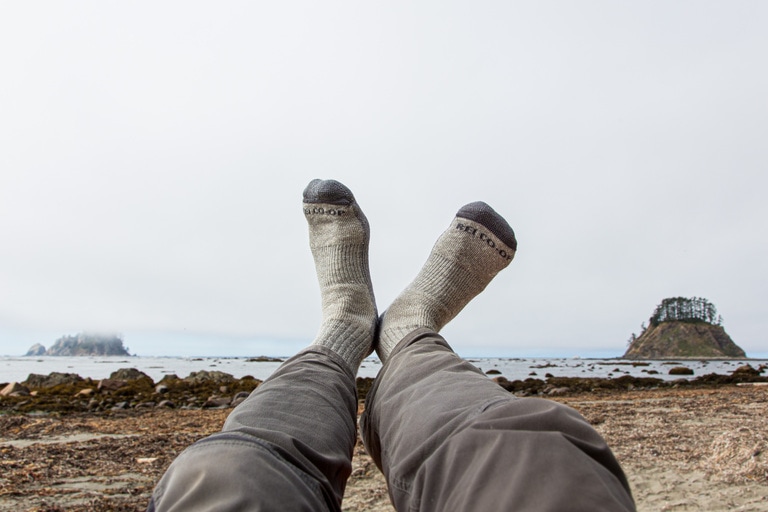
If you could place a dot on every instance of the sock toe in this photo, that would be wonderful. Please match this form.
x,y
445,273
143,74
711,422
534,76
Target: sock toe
x,y
482,213
328,192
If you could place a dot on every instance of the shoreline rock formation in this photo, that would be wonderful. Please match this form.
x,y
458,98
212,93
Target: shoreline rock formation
x,y
36,350
684,328
129,388
82,345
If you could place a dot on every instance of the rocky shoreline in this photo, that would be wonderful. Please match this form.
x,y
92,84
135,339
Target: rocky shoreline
x,y
69,443
130,388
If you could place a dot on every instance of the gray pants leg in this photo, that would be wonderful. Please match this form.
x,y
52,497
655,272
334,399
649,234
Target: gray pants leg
x,y
448,438
288,446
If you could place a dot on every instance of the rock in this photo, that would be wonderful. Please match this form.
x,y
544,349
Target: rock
x,y
241,394
36,350
146,405
745,371
204,376
107,385
52,379
364,385
680,370
239,398
128,374
85,393
166,403
15,389
559,391
120,406
216,403
88,345
264,359
503,382
493,372
684,339
161,389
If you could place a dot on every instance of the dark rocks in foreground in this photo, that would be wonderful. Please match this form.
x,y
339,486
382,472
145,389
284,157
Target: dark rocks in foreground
x,y
132,389
126,388
15,389
51,380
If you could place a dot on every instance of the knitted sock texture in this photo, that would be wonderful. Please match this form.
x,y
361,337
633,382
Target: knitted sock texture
x,y
338,237
478,245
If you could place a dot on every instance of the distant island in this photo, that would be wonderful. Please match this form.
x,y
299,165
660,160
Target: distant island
x,y
82,345
683,327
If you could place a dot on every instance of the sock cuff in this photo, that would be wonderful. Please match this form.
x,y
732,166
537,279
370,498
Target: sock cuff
x,y
351,342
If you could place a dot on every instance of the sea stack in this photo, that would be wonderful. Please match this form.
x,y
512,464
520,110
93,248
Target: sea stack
x,y
36,350
684,328
83,344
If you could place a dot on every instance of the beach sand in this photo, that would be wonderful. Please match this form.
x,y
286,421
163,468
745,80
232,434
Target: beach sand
x,y
682,449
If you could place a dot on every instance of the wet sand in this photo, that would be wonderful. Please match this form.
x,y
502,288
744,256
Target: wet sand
x,y
682,449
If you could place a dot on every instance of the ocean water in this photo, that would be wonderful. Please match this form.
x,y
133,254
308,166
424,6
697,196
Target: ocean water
x,y
17,369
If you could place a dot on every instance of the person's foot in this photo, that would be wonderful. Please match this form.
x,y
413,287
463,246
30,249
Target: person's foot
x,y
477,246
338,236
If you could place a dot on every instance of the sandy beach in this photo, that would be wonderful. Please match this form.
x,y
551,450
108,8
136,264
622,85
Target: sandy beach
x,y
682,449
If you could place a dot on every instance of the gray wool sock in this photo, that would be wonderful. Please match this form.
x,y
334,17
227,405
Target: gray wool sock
x,y
478,245
338,237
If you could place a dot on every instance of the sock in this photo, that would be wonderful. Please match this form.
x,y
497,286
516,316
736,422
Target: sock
x,y
338,237
478,245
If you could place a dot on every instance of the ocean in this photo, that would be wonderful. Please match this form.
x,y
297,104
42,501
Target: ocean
x,y
17,369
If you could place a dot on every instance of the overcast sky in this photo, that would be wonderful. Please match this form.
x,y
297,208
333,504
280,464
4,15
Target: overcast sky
x,y
153,155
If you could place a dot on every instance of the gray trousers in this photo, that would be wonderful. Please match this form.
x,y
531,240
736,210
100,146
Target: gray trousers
x,y
445,436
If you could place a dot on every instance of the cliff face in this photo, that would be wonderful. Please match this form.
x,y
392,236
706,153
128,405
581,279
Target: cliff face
x,y
684,339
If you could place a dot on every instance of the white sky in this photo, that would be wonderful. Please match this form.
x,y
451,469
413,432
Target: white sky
x,y
153,155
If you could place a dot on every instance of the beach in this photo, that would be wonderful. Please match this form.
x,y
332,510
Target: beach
x,y
702,448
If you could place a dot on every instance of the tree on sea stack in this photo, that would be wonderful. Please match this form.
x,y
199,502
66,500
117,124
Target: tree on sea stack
x,y
682,327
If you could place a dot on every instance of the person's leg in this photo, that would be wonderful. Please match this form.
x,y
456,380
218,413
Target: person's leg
x,y
446,436
289,445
